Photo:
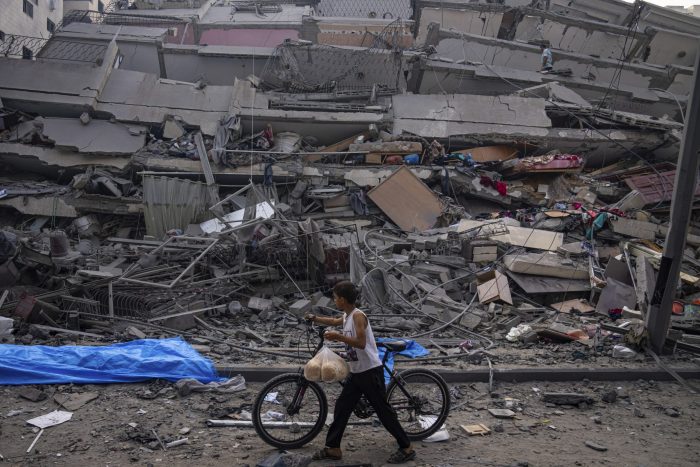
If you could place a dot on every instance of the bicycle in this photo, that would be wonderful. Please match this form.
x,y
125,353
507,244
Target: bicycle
x,y
290,411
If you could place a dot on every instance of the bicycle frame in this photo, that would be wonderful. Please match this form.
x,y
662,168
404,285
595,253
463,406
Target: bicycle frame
x,y
411,403
295,405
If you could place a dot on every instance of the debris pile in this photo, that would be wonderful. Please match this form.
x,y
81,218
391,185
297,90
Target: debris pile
x,y
477,247
479,206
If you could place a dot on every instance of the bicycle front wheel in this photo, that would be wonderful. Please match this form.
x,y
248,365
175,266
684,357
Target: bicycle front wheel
x,y
421,400
289,411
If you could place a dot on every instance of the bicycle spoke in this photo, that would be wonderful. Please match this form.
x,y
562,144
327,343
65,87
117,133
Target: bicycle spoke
x,y
420,403
284,417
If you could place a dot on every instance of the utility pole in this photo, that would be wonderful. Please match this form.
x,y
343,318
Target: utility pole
x,y
659,317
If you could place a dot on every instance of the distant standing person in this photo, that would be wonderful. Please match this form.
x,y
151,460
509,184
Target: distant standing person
x,y
547,61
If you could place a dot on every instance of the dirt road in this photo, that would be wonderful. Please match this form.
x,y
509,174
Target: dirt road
x,y
647,424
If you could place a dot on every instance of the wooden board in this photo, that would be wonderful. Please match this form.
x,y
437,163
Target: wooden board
x,y
407,201
474,430
494,287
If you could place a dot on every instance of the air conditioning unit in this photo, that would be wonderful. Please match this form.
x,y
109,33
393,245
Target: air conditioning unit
x,y
52,5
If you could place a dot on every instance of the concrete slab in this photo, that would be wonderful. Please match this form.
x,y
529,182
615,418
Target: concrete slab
x,y
545,264
98,136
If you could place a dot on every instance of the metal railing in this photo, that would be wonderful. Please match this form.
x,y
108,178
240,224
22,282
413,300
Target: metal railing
x,y
116,18
54,49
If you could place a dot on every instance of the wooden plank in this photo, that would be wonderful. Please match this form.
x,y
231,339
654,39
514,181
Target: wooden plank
x,y
474,430
407,201
493,286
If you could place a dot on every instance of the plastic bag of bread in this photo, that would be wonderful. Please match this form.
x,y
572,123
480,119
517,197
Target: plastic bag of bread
x,y
326,366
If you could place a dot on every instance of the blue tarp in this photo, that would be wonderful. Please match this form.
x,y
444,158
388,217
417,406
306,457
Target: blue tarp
x,y
412,350
172,359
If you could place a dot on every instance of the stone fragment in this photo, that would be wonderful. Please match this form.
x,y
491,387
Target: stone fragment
x,y
596,446
32,394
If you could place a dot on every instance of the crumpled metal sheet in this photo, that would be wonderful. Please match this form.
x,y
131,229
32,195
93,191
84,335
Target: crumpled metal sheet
x,y
172,203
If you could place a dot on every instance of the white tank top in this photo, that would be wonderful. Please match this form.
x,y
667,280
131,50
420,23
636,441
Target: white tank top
x,y
360,360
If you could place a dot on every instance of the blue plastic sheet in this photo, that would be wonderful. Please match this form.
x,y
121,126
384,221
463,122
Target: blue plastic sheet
x,y
172,359
412,350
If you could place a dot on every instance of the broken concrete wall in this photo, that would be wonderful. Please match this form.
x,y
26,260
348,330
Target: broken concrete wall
x,y
608,41
668,47
442,116
495,120
623,13
474,48
248,37
224,25
664,18
133,96
216,65
682,81
327,67
47,161
589,40
96,136
437,76
605,11
253,106
386,9
72,87
471,21
33,206
138,46
357,32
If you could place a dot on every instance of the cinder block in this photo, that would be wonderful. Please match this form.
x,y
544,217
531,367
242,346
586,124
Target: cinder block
x,y
300,307
259,304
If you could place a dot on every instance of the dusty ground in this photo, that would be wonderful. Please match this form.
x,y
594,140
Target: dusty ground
x,y
649,424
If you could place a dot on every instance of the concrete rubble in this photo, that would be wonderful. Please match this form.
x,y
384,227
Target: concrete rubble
x,y
494,213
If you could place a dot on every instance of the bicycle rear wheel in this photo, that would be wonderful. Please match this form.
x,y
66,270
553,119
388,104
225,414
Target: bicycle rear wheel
x,y
421,401
289,411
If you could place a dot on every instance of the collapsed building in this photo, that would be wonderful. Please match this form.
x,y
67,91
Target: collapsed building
x,y
210,162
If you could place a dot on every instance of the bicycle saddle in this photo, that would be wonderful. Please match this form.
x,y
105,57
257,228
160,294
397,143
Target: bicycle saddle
x,y
394,346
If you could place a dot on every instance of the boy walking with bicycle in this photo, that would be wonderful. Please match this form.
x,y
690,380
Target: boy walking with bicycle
x,y
366,377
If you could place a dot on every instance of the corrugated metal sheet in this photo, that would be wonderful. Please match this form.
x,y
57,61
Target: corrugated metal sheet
x,y
173,203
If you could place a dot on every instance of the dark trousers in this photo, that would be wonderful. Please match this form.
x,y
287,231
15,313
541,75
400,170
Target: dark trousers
x,y
371,384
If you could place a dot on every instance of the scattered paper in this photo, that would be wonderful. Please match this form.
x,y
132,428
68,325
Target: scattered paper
x,y
51,419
